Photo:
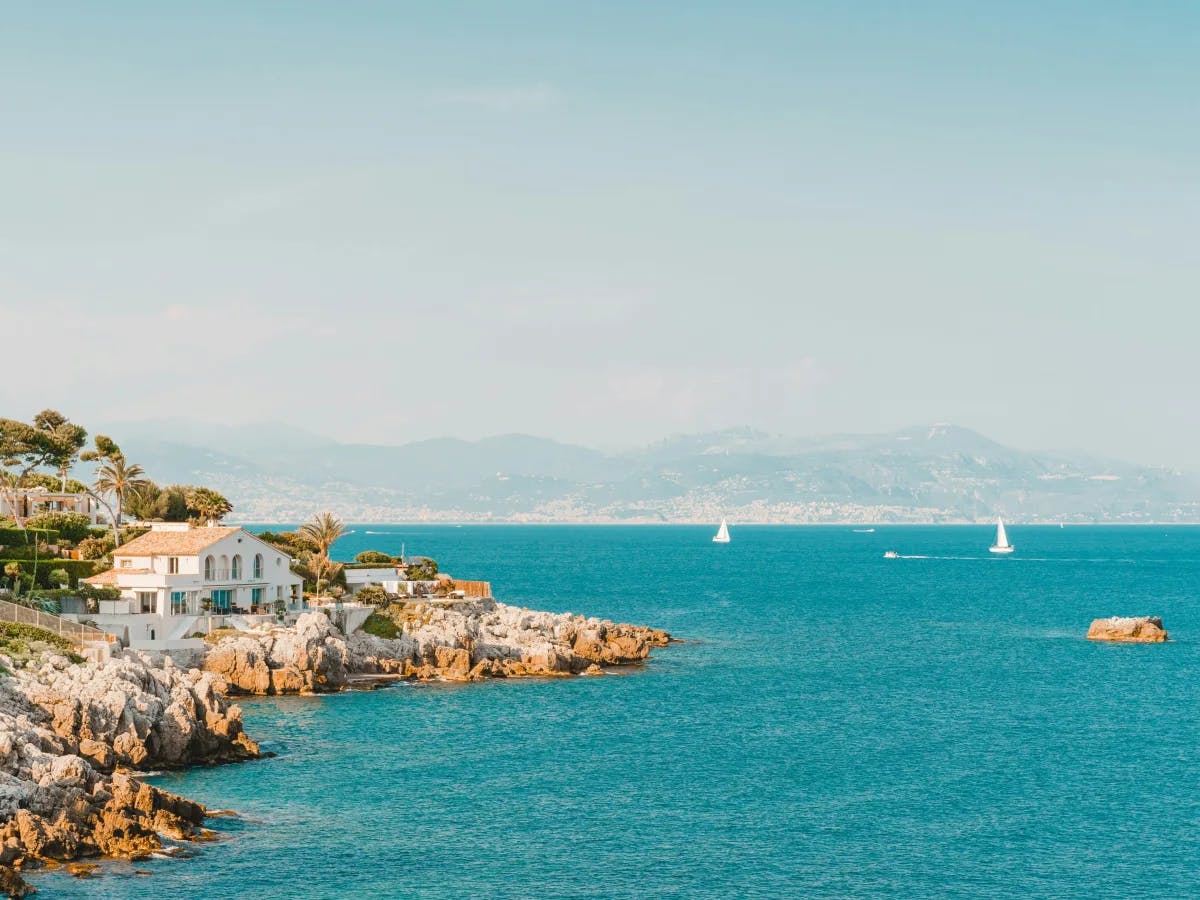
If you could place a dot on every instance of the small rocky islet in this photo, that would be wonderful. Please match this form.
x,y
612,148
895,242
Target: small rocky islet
x,y
1128,630
74,734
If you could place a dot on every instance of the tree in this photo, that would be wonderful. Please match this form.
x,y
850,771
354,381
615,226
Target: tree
x,y
373,594
13,570
373,556
66,441
207,505
172,504
70,526
23,449
104,451
118,477
323,532
95,547
146,502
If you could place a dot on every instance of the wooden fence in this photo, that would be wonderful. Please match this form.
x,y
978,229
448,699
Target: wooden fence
x,y
473,588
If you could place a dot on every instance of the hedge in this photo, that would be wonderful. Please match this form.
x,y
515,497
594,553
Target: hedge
x,y
75,569
30,553
16,537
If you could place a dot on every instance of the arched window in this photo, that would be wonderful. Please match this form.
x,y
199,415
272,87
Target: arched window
x,y
210,565
223,569
237,568
258,565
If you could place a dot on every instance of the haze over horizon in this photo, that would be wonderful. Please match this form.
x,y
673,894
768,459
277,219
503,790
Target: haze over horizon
x,y
606,224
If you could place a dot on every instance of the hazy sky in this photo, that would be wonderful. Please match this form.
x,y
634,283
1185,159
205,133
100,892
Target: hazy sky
x,y
606,222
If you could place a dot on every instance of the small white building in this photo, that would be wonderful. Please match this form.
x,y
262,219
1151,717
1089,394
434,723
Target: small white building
x,y
31,501
387,577
177,580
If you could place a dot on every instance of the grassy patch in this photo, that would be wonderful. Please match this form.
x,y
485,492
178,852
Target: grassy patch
x,y
381,626
217,633
24,642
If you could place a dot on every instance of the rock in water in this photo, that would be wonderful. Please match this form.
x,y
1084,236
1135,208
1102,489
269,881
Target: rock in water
x,y
1128,629
65,730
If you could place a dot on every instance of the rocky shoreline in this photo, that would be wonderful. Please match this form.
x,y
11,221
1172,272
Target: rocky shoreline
x,y
460,641
72,734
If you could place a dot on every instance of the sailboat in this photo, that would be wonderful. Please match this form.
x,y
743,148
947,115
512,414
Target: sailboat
x,y
1002,545
722,535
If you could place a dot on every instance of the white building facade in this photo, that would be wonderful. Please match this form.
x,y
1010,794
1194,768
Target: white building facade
x,y
178,580
31,501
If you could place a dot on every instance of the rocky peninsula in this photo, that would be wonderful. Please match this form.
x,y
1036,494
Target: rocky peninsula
x,y
72,733
1128,630
464,640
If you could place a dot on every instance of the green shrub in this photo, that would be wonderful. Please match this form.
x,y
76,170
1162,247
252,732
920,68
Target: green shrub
x,y
20,537
19,640
39,572
380,626
373,556
95,547
30,552
59,576
71,526
373,594
425,570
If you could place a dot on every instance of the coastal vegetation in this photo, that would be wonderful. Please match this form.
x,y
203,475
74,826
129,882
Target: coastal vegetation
x,y
50,548
375,557
22,642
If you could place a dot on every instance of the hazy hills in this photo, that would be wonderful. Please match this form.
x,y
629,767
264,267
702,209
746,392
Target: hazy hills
x,y
932,473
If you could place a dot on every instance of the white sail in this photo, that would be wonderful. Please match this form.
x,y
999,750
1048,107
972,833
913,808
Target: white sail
x,y
1002,545
722,536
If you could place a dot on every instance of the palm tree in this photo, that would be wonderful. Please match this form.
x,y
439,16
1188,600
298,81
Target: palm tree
x,y
119,477
322,532
207,504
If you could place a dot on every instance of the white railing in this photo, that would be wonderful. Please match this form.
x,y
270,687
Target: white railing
x,y
73,631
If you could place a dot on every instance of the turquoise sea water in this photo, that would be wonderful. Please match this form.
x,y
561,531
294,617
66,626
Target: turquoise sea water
x,y
842,725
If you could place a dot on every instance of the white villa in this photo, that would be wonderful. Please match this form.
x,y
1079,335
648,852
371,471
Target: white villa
x,y
178,580
36,500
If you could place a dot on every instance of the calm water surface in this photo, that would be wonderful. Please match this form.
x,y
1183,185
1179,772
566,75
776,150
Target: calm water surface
x,y
842,725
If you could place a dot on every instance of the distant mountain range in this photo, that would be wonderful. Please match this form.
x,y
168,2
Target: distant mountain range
x,y
938,473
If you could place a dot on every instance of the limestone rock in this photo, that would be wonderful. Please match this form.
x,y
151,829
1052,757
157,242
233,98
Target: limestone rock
x,y
1130,630
65,728
307,658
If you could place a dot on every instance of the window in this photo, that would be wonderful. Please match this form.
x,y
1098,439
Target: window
x,y
126,563
258,566
146,601
179,603
223,568
209,568
279,592
256,596
222,601
237,568
172,565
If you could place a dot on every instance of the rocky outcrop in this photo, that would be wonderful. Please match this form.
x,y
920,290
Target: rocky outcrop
x,y
307,658
67,731
475,639
1128,629
454,641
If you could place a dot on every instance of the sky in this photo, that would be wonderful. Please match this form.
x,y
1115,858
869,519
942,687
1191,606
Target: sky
x,y
606,222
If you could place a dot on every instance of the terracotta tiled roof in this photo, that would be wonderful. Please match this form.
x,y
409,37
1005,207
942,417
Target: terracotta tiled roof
x,y
174,543
104,579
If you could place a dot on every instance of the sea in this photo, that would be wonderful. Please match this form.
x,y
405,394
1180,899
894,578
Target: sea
x,y
834,724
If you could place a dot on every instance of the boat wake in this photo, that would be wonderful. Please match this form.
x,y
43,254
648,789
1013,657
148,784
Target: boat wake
x,y
1047,559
